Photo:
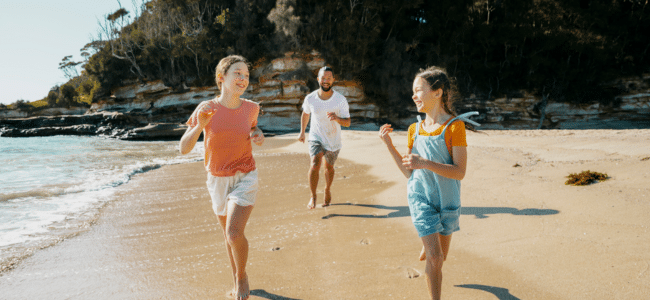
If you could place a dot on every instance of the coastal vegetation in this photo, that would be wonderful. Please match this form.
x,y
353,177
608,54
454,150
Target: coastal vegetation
x,y
560,50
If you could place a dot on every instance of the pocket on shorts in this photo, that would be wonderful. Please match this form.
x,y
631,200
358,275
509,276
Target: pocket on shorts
x,y
450,220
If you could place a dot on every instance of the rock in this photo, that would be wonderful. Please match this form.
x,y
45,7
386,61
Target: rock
x,y
158,131
154,111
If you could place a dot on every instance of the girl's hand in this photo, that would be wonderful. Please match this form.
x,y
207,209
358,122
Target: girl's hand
x,y
205,113
413,161
257,136
384,131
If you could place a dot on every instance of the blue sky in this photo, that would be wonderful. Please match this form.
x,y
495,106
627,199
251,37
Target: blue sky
x,y
36,34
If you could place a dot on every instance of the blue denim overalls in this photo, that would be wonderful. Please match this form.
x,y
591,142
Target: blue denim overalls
x,y
434,200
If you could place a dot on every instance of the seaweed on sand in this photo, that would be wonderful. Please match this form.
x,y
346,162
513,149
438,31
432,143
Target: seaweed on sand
x,y
585,178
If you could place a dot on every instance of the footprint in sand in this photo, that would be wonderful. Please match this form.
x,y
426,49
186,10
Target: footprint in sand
x,y
275,249
410,272
364,242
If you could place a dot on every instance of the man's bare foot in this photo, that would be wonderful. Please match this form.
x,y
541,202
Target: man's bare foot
x,y
312,203
328,198
243,291
423,255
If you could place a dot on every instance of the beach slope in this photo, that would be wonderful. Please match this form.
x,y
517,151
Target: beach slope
x,y
524,233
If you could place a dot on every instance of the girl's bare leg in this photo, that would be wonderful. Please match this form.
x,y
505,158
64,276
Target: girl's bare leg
x,y
222,222
434,260
445,241
235,224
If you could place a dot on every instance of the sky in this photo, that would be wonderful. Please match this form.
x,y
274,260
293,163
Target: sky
x,y
35,35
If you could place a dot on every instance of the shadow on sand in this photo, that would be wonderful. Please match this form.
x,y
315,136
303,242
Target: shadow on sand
x,y
397,211
500,293
479,212
482,212
266,295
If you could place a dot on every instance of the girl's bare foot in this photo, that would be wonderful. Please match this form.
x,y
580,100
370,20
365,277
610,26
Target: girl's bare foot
x,y
423,255
312,203
232,293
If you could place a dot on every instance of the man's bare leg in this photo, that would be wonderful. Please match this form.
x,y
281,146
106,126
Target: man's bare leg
x,y
329,178
314,169
235,225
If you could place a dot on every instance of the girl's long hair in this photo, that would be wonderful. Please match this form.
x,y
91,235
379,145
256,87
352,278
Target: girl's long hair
x,y
437,78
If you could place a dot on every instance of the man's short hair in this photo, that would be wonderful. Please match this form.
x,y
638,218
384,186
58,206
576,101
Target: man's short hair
x,y
322,71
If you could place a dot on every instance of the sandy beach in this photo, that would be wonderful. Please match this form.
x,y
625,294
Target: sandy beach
x,y
524,233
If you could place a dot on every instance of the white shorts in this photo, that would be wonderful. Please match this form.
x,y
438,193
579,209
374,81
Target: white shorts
x,y
240,188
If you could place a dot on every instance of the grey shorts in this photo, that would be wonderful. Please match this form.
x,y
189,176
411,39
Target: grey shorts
x,y
316,147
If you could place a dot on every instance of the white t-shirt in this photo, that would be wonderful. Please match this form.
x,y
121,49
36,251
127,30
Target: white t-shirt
x,y
322,129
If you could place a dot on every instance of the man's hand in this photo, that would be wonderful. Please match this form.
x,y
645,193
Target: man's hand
x,y
332,116
301,137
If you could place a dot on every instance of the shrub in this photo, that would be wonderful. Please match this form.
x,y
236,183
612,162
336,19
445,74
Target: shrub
x,y
67,95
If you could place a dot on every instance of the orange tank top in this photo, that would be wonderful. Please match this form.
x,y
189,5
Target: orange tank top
x,y
226,138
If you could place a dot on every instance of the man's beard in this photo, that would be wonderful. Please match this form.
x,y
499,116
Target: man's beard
x,y
325,89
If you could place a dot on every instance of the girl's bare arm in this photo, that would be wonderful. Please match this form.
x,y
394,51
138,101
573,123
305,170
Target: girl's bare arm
x,y
384,135
192,134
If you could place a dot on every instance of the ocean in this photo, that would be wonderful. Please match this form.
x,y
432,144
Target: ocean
x,y
53,187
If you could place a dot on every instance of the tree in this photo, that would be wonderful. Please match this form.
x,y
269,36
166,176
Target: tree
x,y
22,105
69,67
67,95
53,96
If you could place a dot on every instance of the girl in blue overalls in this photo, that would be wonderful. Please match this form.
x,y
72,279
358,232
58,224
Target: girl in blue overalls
x,y
434,165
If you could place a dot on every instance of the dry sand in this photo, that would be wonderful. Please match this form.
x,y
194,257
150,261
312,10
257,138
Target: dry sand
x,y
524,233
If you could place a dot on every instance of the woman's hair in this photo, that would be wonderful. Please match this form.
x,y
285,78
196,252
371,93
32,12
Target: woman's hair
x,y
225,64
437,79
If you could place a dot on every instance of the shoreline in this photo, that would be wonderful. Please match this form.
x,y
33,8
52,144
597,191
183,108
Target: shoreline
x,y
524,234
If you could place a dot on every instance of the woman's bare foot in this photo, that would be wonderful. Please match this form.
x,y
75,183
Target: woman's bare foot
x,y
243,291
312,203
328,198
423,255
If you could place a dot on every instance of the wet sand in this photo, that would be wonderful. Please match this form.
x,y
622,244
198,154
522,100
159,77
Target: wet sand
x,y
524,234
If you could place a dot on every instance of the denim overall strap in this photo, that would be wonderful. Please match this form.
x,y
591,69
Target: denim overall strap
x,y
463,117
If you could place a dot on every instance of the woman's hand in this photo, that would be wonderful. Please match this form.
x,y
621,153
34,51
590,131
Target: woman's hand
x,y
414,161
384,132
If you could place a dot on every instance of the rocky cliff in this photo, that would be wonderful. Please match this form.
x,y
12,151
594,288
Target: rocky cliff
x,y
156,111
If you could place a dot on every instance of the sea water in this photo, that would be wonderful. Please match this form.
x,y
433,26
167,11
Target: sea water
x,y
53,187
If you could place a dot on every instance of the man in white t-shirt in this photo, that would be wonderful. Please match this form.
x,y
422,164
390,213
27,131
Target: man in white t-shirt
x,y
328,111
